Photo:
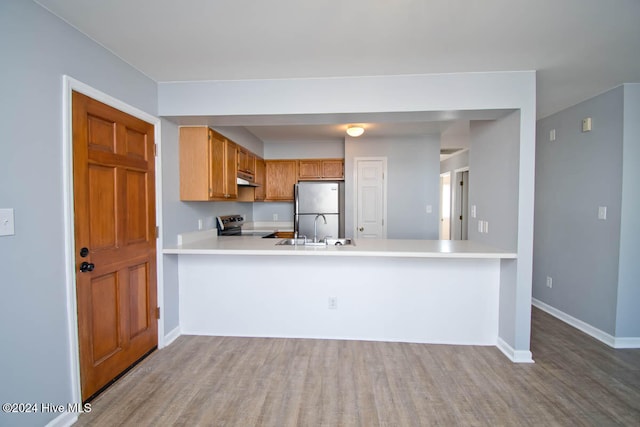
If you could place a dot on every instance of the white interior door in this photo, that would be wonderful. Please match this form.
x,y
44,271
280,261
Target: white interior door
x,y
445,206
371,198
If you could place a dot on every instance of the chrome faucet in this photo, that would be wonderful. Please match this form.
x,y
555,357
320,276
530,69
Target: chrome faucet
x,y
315,227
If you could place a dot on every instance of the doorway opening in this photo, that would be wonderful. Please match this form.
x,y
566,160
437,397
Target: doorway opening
x,y
460,222
445,206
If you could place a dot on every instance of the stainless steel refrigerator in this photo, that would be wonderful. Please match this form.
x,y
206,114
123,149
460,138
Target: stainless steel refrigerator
x,y
316,201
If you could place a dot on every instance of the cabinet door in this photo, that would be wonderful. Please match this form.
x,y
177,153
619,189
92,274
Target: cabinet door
x,y
251,163
281,176
309,169
333,169
230,170
260,192
217,165
243,159
195,163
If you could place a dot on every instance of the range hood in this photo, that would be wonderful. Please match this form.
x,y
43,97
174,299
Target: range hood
x,y
246,179
245,183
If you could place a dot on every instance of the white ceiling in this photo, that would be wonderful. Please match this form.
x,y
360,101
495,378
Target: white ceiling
x,y
579,48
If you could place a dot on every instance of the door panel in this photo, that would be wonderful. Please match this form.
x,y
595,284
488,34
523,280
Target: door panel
x,y
371,199
138,299
136,203
102,207
101,134
114,207
104,317
136,145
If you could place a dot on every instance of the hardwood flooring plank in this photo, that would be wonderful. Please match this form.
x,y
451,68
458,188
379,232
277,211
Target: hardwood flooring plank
x,y
228,381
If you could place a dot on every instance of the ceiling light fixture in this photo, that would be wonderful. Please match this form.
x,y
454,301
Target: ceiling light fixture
x,y
355,130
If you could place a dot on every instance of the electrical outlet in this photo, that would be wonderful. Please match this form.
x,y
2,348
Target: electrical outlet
x,y
429,209
333,303
275,216
474,210
486,226
549,282
480,226
200,224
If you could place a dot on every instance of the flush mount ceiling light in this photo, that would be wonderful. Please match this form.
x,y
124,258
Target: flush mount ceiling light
x,y
355,130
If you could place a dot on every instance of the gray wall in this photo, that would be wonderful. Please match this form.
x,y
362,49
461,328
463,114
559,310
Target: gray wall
x,y
36,50
264,211
575,174
494,174
412,183
242,136
628,315
304,150
493,180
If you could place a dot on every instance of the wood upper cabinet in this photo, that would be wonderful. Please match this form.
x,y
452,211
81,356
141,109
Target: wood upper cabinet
x,y
208,163
281,176
260,192
246,161
320,169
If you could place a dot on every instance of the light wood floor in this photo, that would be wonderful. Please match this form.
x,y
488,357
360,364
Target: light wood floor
x,y
213,381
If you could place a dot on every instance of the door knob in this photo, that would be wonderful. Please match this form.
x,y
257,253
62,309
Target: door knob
x,y
86,266
84,252
361,229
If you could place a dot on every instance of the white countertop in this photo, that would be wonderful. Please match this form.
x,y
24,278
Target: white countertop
x,y
210,244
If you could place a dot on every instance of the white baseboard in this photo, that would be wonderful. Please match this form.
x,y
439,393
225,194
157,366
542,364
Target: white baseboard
x,y
627,342
610,340
65,419
516,356
172,336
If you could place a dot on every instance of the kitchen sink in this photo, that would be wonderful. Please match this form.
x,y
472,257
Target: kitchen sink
x,y
290,242
340,242
322,243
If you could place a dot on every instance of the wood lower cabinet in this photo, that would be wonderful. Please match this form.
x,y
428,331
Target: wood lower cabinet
x,y
281,176
320,169
208,164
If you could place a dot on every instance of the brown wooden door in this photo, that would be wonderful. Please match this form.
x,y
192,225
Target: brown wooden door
x,y
114,204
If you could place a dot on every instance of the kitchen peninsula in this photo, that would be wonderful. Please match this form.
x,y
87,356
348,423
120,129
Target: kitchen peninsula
x,y
422,291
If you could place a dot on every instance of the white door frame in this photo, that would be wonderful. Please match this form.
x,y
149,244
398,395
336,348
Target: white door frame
x,y
355,193
69,85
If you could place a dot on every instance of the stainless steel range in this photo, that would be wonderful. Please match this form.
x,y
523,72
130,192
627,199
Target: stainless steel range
x,y
230,225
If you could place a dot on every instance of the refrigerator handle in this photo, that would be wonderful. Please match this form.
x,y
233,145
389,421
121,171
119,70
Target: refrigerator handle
x,y
295,208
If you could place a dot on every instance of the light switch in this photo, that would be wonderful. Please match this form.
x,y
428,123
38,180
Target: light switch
x,y
602,212
586,124
486,226
480,226
429,209
552,135
7,227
